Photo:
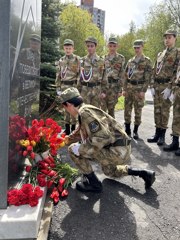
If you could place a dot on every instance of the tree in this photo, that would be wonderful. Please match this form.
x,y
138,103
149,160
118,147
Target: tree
x,y
49,54
78,25
173,7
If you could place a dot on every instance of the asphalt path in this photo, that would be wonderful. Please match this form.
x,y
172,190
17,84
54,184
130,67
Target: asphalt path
x,y
124,210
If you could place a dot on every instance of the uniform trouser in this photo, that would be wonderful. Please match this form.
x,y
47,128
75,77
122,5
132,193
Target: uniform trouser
x,y
176,113
132,99
110,101
68,119
161,107
112,160
91,95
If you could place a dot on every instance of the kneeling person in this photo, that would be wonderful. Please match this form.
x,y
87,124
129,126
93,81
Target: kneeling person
x,y
103,140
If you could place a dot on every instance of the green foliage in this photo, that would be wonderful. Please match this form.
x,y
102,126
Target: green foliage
x,y
120,104
49,54
77,25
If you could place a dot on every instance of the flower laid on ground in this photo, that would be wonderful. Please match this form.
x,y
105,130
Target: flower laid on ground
x,y
39,144
26,195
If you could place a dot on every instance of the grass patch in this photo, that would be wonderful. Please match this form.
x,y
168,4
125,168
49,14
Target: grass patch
x,y
120,104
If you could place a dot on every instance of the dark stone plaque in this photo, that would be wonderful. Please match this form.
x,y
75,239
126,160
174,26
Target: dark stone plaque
x,y
24,76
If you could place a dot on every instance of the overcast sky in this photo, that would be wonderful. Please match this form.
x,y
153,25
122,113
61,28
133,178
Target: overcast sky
x,y
119,13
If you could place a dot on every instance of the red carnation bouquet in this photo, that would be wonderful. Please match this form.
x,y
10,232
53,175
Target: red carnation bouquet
x,y
42,139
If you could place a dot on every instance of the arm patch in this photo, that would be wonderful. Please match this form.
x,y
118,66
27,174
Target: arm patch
x,y
94,126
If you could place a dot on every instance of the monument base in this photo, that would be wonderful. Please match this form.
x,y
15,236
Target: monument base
x,y
21,222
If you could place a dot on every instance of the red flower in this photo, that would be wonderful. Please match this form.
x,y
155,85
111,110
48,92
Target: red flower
x,y
41,180
55,195
33,199
62,181
38,191
27,188
52,173
49,183
28,168
32,155
25,153
29,148
64,193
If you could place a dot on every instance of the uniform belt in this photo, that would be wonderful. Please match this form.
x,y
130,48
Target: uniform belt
x,y
119,142
90,84
112,80
135,82
70,82
161,80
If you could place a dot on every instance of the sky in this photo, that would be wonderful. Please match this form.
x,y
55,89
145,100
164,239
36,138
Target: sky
x,y
119,13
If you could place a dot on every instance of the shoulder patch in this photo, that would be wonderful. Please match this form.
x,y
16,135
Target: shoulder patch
x,y
94,126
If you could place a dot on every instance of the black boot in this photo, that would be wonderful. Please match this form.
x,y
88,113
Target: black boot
x,y
173,146
177,153
90,183
73,126
161,140
135,132
154,138
147,175
67,129
128,129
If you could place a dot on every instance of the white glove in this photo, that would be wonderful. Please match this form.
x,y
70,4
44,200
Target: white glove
x,y
58,91
171,98
166,93
152,92
75,148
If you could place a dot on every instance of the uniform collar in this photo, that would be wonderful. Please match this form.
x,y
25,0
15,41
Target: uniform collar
x,y
70,56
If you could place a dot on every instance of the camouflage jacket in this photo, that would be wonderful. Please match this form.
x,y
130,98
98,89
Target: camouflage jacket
x,y
92,71
165,67
96,130
114,70
138,71
68,69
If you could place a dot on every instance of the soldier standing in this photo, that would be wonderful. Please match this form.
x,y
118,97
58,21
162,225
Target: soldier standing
x,y
68,75
137,77
92,83
102,140
163,76
114,63
175,97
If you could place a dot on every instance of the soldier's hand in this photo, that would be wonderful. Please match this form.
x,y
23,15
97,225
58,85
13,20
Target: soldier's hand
x,y
124,93
166,93
66,140
152,92
102,95
142,95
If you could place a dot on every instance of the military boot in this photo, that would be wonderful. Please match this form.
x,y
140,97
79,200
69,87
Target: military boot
x,y
89,183
154,138
161,139
67,129
147,175
177,153
73,126
173,146
128,129
135,132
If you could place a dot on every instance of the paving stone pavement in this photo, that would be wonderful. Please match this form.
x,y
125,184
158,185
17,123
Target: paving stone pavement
x,y
124,210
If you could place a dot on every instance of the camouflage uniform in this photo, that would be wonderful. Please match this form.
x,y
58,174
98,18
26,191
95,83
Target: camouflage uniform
x,y
68,76
137,77
103,141
163,75
114,72
92,83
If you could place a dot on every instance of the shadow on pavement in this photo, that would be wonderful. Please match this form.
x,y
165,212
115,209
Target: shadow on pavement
x,y
101,216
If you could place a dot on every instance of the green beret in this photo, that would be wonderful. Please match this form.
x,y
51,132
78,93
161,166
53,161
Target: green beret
x,y
112,40
68,94
91,39
35,37
68,42
138,43
170,32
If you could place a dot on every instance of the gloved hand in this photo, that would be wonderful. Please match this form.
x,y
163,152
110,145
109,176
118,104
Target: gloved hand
x,y
166,93
75,148
152,92
58,91
171,98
